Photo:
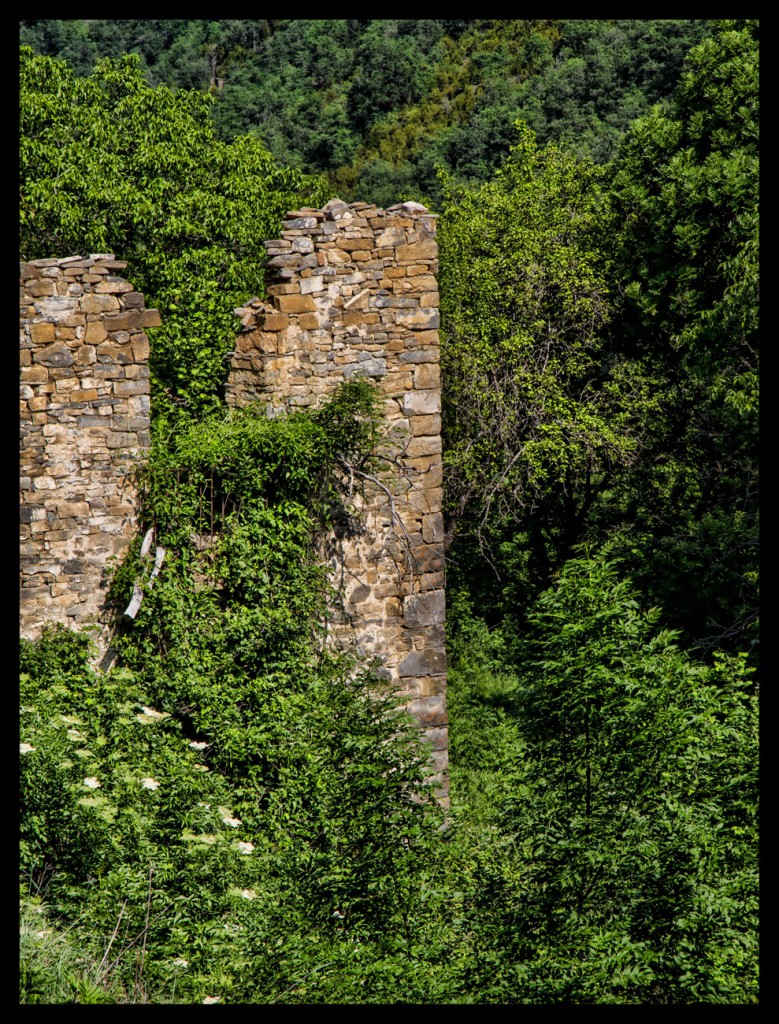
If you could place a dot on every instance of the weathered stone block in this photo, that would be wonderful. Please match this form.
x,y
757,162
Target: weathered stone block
x,y
42,334
92,303
427,376
112,286
273,321
367,368
66,509
416,251
430,712
131,387
422,403
422,446
354,244
132,319
428,662
419,355
56,355
419,319
294,303
424,609
438,738
94,332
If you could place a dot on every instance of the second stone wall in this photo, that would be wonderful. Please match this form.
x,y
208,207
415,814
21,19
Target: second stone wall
x,y
84,423
353,291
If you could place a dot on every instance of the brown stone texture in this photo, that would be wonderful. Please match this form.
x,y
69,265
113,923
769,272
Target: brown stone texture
x,y
354,293
82,354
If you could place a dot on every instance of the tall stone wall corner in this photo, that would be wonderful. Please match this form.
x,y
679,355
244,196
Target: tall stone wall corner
x,y
84,423
353,292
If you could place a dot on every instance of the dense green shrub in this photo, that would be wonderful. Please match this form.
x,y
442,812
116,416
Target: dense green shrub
x,y
618,861
235,787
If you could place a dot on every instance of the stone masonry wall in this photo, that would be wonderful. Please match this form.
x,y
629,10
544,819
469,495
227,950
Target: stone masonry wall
x,y
353,292
84,421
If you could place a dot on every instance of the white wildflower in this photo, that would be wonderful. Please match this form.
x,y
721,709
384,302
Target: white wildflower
x,y
213,999
74,734
198,744
147,715
150,784
248,894
180,962
246,847
337,913
91,783
25,748
232,822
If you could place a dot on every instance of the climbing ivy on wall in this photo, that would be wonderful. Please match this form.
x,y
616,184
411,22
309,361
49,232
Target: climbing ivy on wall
x,y
236,793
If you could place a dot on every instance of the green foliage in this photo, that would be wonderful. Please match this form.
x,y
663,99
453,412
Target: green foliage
x,y
638,435
377,104
110,164
539,413
622,865
484,751
233,814
684,191
52,966
605,74
236,800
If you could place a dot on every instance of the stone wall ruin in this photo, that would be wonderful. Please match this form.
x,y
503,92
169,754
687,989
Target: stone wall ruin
x,y
84,420
352,291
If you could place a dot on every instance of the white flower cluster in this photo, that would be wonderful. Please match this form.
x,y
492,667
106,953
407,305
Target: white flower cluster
x,y
147,715
228,817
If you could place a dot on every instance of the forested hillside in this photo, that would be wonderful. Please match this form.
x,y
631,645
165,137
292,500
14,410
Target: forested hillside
x,y
232,813
377,105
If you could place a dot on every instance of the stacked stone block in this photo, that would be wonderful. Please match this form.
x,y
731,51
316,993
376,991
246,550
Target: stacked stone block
x,y
84,422
353,291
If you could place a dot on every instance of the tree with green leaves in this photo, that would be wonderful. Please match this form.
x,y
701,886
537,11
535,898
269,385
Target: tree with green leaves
x,y
538,412
376,104
684,192
109,163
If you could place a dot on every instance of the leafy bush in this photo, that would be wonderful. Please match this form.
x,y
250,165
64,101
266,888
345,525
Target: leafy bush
x,y
624,865
236,798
